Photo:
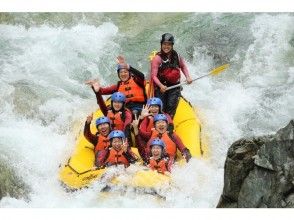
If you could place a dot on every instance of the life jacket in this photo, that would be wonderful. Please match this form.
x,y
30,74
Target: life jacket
x,y
116,157
117,119
132,91
170,145
169,70
103,143
159,165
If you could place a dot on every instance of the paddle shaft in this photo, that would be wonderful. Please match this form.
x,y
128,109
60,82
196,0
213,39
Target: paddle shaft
x,y
185,82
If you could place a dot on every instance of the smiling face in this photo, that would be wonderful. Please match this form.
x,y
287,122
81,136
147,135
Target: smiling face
x,y
154,109
124,74
117,106
166,47
156,151
116,143
104,129
161,126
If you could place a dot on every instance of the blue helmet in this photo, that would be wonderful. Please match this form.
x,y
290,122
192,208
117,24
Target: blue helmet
x,y
121,66
155,101
158,142
102,120
159,117
118,97
116,134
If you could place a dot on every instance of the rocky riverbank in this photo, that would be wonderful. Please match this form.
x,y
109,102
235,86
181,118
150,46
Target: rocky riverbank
x,y
259,172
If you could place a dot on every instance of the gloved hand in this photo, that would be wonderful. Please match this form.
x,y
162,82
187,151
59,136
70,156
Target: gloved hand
x,y
186,154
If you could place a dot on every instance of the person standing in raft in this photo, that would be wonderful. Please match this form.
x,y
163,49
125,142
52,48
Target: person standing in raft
x,y
166,69
131,84
158,161
117,153
100,139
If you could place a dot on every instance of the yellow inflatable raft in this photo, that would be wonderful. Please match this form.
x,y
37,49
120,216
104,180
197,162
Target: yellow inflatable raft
x,y
78,171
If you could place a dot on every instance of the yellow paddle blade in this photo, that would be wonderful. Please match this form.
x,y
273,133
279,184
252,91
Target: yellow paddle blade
x,y
152,55
219,69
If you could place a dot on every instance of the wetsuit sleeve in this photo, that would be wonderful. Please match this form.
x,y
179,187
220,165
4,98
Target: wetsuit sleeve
x,y
88,135
155,63
183,67
178,142
101,157
101,102
146,135
169,119
170,127
128,119
129,157
143,149
108,90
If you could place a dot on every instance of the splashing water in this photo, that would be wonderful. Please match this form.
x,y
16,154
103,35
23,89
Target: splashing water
x,y
45,59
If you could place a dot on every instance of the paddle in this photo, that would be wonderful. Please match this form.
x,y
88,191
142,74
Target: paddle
x,y
215,71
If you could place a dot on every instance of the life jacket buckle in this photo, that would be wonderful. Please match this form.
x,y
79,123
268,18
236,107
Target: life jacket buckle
x,y
130,96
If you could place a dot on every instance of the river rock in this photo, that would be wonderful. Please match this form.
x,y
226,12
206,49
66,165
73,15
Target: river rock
x,y
10,184
259,172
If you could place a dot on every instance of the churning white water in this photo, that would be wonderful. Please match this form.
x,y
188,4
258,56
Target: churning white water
x,y
44,102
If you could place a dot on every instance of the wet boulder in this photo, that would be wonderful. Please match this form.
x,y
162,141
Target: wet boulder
x,y
259,172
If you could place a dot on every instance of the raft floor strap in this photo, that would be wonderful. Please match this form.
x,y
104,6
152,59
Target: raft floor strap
x,y
75,170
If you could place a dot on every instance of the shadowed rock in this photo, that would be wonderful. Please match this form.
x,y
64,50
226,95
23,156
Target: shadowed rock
x,y
259,172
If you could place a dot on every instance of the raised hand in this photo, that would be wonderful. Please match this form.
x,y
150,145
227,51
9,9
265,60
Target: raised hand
x,y
145,111
96,86
125,145
135,124
121,59
94,83
90,82
90,118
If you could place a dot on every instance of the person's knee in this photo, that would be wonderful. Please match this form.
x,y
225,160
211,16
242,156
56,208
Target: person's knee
x,y
172,101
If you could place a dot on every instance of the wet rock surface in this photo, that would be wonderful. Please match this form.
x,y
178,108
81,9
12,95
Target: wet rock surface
x,y
10,184
259,172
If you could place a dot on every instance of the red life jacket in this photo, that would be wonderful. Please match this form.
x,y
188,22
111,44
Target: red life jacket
x,y
117,157
132,91
102,144
169,72
160,165
170,145
117,123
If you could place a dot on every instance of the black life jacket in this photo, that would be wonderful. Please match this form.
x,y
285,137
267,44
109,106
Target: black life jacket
x,y
169,70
